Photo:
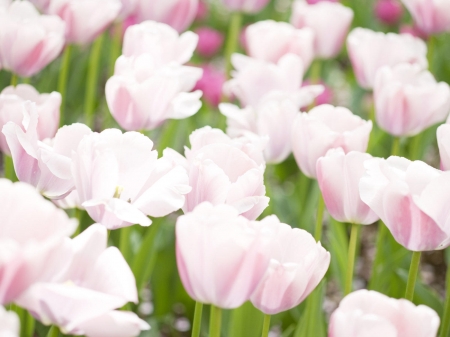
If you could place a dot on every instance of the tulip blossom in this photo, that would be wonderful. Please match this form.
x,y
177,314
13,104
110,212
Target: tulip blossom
x,y
45,165
297,265
431,16
120,180
32,234
128,8
329,22
369,51
391,188
85,19
338,175
224,171
9,323
326,127
366,313
408,99
211,84
270,41
248,6
29,41
443,140
209,41
82,299
388,11
42,5
220,255
178,14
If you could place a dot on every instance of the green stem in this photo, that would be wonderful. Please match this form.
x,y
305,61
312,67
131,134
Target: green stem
x,y
115,46
92,79
30,324
415,142
445,326
413,271
431,52
53,332
124,243
78,216
319,218
266,326
395,151
8,168
351,258
215,321
232,40
168,134
62,81
316,72
14,79
197,324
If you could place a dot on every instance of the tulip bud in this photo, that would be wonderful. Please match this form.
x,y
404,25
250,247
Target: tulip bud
x,y
209,41
388,11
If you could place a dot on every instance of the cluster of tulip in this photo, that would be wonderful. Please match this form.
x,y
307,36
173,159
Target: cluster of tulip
x,y
60,275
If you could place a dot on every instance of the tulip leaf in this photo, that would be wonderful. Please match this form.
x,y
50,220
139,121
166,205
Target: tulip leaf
x,y
245,321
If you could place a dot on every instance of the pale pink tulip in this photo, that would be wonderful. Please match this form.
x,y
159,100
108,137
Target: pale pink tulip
x,y
42,5
45,165
211,84
270,41
11,110
128,8
176,13
432,16
254,79
369,51
338,175
32,234
224,171
9,323
83,298
329,22
391,187
443,140
220,255
297,265
120,180
327,127
408,99
366,313
29,41
249,6
209,41
161,42
85,19
142,95
388,11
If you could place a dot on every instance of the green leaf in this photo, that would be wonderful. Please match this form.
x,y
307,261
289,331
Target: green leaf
x,y
246,321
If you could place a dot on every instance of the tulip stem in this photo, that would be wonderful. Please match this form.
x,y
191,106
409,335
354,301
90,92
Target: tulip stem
x,y
197,324
232,40
266,326
53,332
62,81
8,168
124,243
215,321
168,134
319,218
395,151
115,46
412,277
445,327
14,79
351,258
92,79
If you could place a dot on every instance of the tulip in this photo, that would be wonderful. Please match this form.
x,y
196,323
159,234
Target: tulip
x,y
312,2
211,84
329,21
82,299
29,41
270,41
32,234
366,313
120,180
369,51
209,41
248,6
9,323
388,11
432,16
202,10
338,175
209,273
128,8
45,165
408,99
391,189
178,14
297,265
326,97
42,5
224,171
326,127
414,31
443,140
85,19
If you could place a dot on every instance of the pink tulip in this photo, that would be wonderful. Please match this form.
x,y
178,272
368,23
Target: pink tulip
x,y
83,298
270,41
329,21
202,10
327,127
176,13
391,188
85,19
9,323
366,313
326,97
42,5
29,41
443,140
388,11
128,8
432,16
312,2
248,6
297,265
120,180
32,234
224,171
220,255
72,200
414,31
45,165
408,99
209,41
338,175
369,51
211,84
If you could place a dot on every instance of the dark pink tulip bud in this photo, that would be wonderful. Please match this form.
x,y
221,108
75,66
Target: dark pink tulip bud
x,y
211,84
209,41
388,11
